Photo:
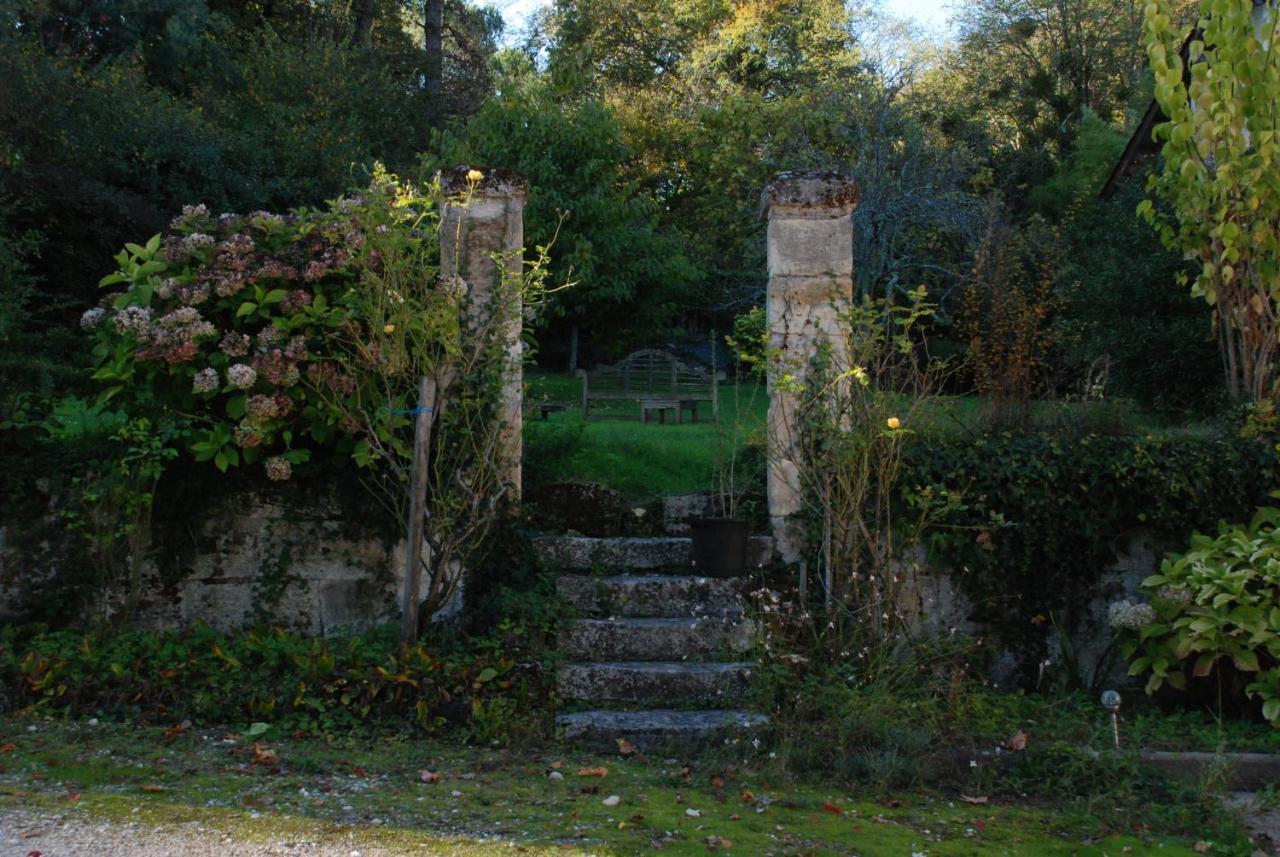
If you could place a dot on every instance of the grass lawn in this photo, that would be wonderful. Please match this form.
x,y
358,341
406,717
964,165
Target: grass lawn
x,y
648,461
371,792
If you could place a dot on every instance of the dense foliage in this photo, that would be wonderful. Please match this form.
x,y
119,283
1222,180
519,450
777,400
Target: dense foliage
x,y
1216,605
321,687
1219,177
1043,514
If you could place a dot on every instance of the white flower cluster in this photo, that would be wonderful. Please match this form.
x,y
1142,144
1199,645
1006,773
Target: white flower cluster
x,y
133,320
1125,614
190,214
92,318
242,376
278,469
205,381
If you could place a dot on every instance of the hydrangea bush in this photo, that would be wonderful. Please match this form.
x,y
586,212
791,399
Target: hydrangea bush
x,y
272,338
281,334
1219,600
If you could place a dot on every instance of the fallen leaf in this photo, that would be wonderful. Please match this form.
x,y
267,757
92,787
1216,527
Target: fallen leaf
x,y
735,817
8,747
429,776
177,729
832,808
1202,847
1018,742
152,789
693,813
747,797
264,755
612,800
593,772
625,747
975,800
557,764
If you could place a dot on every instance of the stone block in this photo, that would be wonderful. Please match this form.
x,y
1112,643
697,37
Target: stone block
x,y
658,729
653,595
678,510
574,553
663,639
655,683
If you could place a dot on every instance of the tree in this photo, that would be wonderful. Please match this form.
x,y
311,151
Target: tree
x,y
626,272
1219,177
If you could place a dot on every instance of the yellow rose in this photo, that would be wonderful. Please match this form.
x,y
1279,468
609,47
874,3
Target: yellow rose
x,y
390,328
474,175
894,423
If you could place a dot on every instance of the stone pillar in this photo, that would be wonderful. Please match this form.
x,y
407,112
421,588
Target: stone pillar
x,y
482,219
810,285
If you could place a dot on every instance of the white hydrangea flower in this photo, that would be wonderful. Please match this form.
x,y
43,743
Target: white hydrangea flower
x,y
242,376
205,381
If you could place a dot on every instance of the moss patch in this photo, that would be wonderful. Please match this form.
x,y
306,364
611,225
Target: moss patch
x,y
487,802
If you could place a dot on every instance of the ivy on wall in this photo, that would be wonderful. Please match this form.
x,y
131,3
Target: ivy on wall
x,y
1044,516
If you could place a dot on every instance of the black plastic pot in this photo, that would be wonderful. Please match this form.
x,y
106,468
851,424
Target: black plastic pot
x,y
719,546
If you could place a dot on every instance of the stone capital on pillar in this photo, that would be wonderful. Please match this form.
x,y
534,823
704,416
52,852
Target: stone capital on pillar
x,y
810,244
482,221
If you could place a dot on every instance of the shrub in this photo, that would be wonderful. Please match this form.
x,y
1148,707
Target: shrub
x,y
1219,601
270,337
1043,514
293,682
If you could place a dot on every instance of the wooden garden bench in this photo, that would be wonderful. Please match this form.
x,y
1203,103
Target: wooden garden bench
x,y
657,381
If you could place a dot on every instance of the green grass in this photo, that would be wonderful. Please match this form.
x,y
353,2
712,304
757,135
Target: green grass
x,y
489,802
643,461
649,461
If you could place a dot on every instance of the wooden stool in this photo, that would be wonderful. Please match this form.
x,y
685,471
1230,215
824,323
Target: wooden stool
x,y
661,406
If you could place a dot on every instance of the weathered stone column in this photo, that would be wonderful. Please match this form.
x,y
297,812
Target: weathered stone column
x,y
483,217
810,284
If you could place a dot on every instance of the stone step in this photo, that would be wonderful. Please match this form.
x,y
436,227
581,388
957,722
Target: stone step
x,y
581,553
653,595
655,639
655,682
656,729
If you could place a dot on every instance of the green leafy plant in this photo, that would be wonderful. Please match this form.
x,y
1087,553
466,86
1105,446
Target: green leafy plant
x,y
1219,178
1219,601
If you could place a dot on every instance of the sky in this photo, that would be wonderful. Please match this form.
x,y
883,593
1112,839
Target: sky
x,y
931,15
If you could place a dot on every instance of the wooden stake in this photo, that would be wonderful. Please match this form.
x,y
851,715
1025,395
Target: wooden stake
x,y
417,509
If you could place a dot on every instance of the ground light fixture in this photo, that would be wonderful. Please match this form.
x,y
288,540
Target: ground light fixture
x,y
1111,702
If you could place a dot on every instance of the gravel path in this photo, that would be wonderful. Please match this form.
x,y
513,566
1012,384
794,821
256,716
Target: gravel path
x,y
24,833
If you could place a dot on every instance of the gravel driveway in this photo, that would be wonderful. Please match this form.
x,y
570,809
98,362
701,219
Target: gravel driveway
x,y
23,834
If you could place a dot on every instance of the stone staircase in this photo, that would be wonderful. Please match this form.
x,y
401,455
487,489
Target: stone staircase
x,y
658,654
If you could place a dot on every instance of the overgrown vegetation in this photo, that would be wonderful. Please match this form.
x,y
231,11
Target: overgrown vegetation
x,y
494,689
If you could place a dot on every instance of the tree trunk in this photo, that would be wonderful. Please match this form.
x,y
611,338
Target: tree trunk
x,y
410,591
433,47
573,349
362,29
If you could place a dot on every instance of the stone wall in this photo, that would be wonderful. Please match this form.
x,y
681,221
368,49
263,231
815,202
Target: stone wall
x,y
253,556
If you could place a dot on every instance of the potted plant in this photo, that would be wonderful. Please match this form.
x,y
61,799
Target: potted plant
x,y
720,539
